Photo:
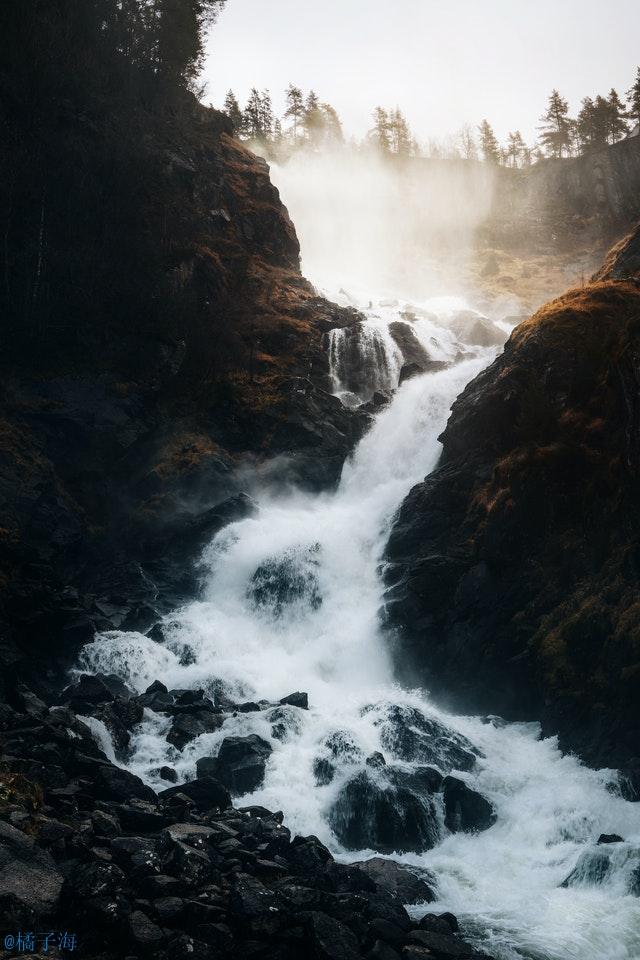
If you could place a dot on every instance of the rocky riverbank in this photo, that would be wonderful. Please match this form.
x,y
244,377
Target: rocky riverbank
x,y
87,848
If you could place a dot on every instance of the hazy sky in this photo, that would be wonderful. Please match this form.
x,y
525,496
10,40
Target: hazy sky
x,y
444,62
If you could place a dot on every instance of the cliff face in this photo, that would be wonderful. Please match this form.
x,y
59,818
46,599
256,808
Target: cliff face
x,y
129,436
513,567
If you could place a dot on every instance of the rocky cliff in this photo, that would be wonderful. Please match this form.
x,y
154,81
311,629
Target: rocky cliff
x,y
161,364
512,569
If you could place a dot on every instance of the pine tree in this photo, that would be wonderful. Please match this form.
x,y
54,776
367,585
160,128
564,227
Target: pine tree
x,y
618,127
295,108
313,120
233,111
381,130
399,133
252,121
556,126
266,116
488,143
180,30
633,99
515,148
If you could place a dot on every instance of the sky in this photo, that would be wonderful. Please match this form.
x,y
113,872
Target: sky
x,y
443,62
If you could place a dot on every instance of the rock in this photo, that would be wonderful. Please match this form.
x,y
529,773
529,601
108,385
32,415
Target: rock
x,y
471,327
30,884
609,838
144,932
166,773
331,939
205,792
97,688
442,945
118,784
323,771
387,810
285,580
241,761
398,880
439,923
592,869
297,700
188,726
380,929
410,735
465,810
382,951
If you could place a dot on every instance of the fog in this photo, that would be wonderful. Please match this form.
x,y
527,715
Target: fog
x,y
374,226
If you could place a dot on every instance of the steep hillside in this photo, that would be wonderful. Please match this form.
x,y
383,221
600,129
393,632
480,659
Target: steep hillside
x,y
159,344
513,568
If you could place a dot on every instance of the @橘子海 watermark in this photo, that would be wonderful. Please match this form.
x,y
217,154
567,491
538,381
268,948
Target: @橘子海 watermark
x,y
48,942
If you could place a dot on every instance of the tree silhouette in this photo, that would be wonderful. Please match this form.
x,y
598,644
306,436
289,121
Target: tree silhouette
x,y
556,126
233,111
295,107
633,99
489,143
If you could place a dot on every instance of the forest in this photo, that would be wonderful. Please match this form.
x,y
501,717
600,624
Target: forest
x,y
310,123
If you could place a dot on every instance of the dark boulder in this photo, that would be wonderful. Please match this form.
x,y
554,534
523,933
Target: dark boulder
x,y
297,700
282,581
30,884
465,810
331,939
410,735
205,792
399,881
240,764
592,869
118,784
188,726
383,810
442,945
609,838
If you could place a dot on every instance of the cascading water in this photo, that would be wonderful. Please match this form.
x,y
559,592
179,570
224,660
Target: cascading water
x,y
291,600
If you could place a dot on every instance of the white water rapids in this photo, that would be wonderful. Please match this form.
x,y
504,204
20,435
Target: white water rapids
x,y
503,883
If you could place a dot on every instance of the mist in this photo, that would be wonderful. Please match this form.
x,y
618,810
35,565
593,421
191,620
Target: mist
x,y
373,226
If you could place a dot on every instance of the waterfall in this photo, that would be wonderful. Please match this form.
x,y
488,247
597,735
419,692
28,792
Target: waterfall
x,y
291,602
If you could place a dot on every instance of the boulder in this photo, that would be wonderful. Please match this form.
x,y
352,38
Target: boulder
x,y
410,735
465,810
240,764
331,939
383,810
205,792
30,884
188,726
118,784
297,700
399,881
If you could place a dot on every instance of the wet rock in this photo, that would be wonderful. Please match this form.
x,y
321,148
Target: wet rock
x,y
609,838
165,773
206,793
439,923
96,688
592,869
331,939
285,580
473,328
380,929
442,945
187,726
323,771
144,932
30,884
398,880
118,784
386,812
285,722
297,700
382,951
410,735
240,764
465,810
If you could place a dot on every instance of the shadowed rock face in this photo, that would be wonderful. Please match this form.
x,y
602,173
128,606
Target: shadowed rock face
x,y
120,465
512,567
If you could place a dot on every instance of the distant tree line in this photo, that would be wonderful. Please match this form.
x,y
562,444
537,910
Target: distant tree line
x,y
309,122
